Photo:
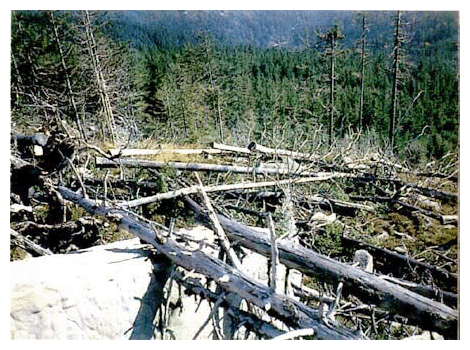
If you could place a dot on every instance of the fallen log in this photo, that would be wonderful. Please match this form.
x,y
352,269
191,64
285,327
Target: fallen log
x,y
27,244
193,286
128,152
230,187
233,149
431,292
340,207
398,264
254,147
286,309
443,219
130,183
419,310
262,169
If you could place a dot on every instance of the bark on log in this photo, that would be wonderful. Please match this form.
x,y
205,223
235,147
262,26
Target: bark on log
x,y
419,310
28,245
194,286
278,170
230,187
447,298
397,263
290,311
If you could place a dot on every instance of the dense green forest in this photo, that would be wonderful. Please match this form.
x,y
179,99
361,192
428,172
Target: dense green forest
x,y
201,76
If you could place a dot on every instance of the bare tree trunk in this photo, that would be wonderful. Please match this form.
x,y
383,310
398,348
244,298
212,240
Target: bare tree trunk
x,y
291,312
332,91
67,78
363,49
99,78
419,310
396,57
276,169
230,187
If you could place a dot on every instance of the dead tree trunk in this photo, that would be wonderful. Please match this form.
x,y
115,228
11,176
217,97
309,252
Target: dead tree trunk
x,y
396,58
397,263
290,311
227,148
76,116
230,187
99,78
265,170
419,310
254,147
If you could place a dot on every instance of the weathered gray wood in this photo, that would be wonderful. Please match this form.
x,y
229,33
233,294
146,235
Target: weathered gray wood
x,y
340,206
234,149
224,242
128,152
104,162
194,286
396,262
448,298
419,310
230,187
254,147
28,244
290,311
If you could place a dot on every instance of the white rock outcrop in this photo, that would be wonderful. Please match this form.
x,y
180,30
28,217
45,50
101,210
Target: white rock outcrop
x,y
116,291
105,292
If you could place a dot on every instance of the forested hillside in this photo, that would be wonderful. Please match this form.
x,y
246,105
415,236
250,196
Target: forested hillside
x,y
319,149
209,75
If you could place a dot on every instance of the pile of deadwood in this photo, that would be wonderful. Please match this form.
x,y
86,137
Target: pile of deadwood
x,y
342,300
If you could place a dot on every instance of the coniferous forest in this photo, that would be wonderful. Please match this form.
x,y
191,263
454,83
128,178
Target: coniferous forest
x,y
295,171
200,76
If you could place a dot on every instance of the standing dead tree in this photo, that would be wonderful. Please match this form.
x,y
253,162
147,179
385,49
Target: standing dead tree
x,y
396,61
101,82
77,117
331,38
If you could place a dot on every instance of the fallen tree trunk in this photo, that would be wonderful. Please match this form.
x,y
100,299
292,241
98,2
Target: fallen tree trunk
x,y
254,147
233,149
421,311
27,244
264,170
290,311
443,219
128,152
340,207
230,187
397,263
193,286
447,298
118,183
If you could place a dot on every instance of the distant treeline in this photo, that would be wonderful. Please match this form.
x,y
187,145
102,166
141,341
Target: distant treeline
x,y
213,75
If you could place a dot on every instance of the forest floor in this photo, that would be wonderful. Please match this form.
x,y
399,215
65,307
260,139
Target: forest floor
x,y
377,203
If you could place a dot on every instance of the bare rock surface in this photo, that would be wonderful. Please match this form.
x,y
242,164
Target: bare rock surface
x,y
105,292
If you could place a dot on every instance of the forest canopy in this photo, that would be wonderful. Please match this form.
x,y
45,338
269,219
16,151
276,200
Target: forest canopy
x,y
240,76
